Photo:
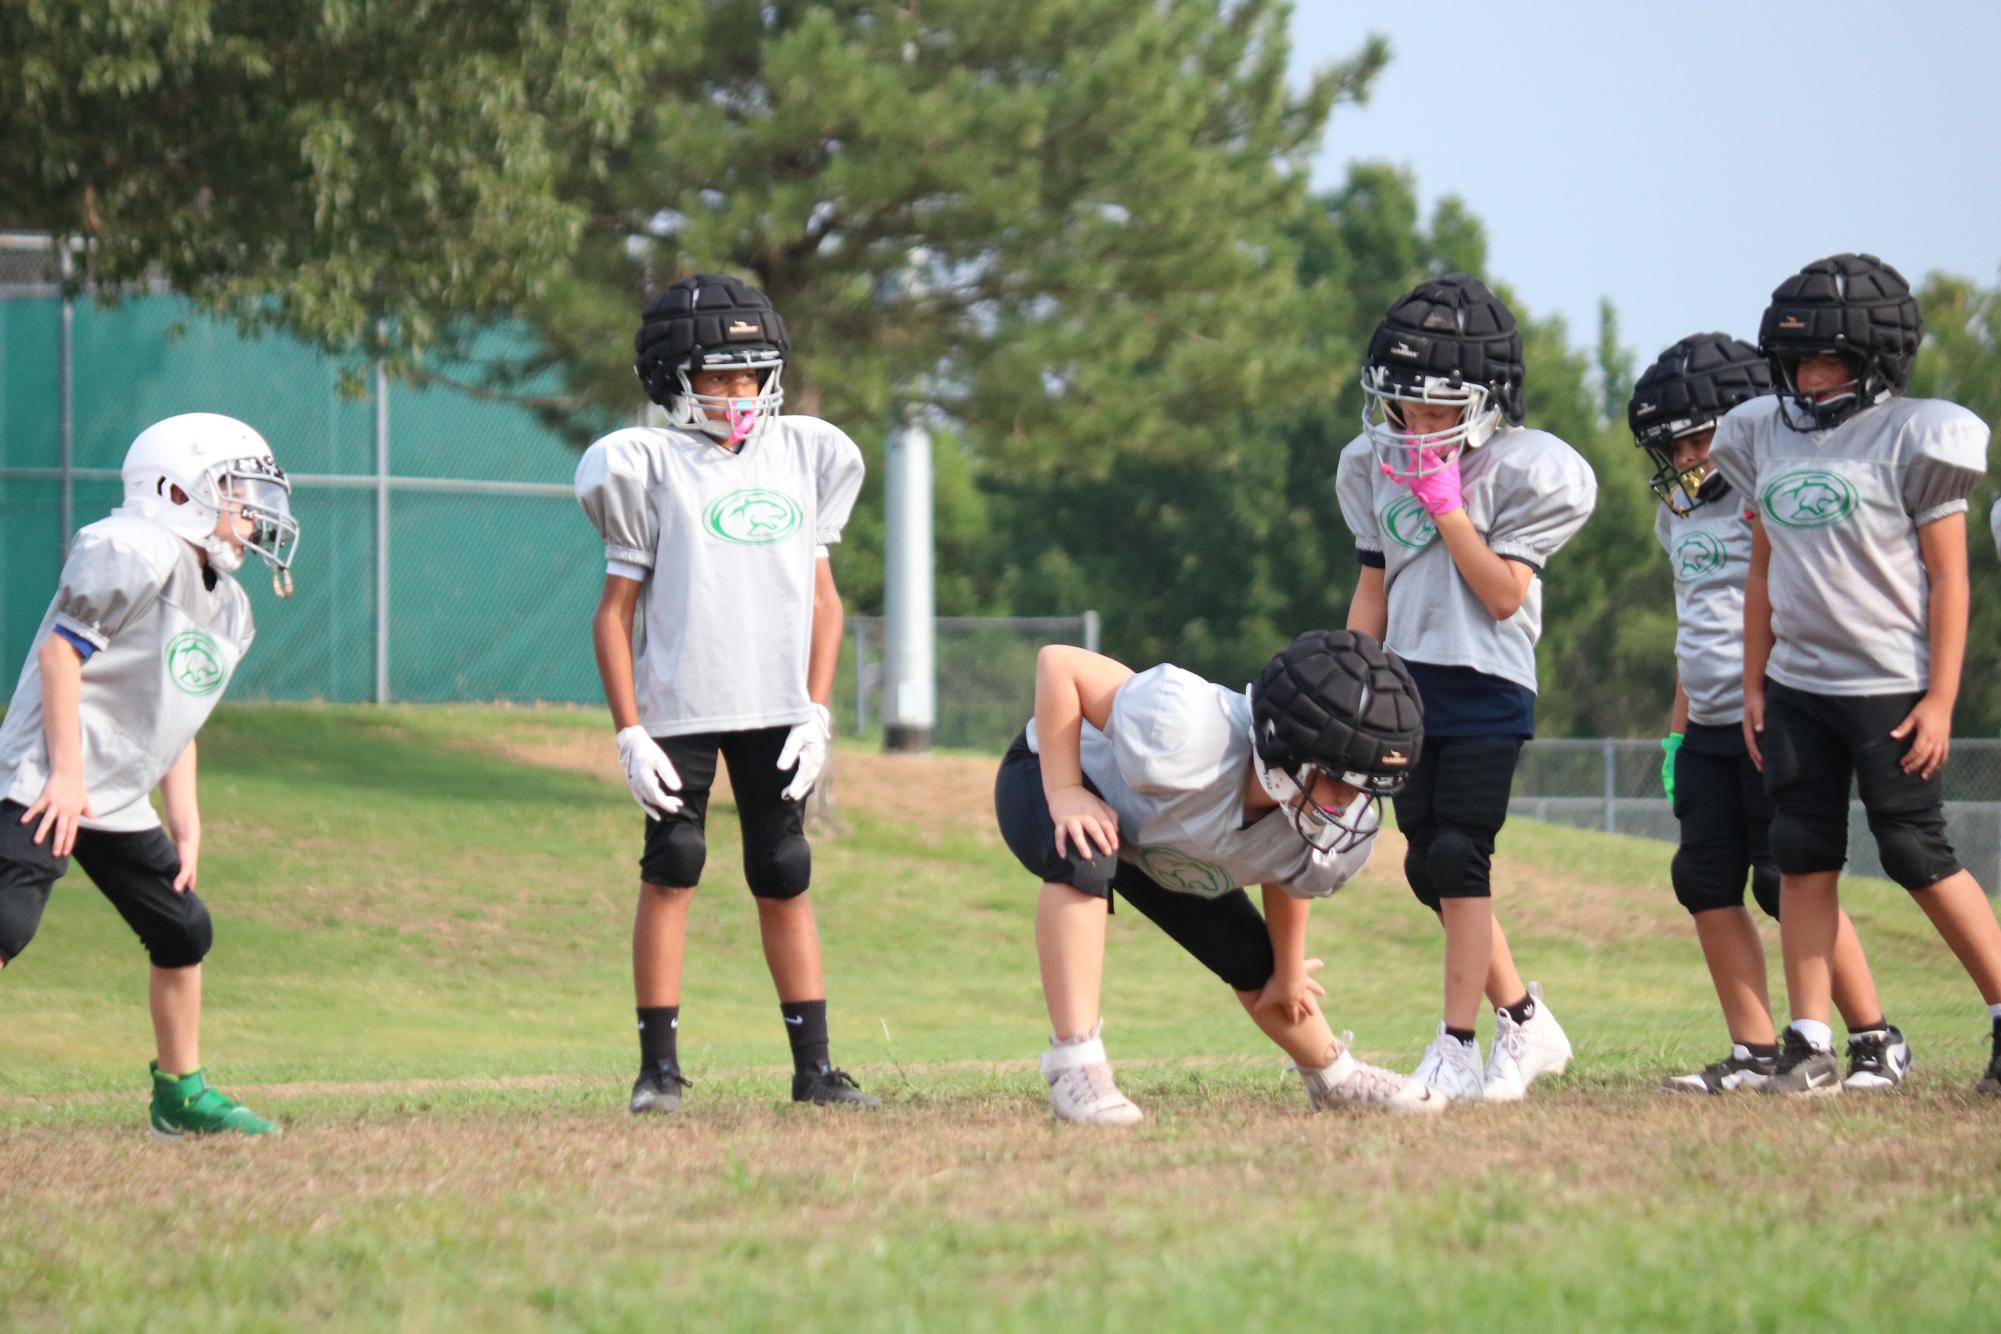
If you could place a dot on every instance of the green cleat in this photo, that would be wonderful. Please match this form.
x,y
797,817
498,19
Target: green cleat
x,y
188,1106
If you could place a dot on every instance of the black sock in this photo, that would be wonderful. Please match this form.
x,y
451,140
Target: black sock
x,y
1522,1010
1762,1051
806,1027
659,1026
1464,1035
1857,1030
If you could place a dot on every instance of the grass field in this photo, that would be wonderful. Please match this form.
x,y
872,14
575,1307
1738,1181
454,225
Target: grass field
x,y
422,970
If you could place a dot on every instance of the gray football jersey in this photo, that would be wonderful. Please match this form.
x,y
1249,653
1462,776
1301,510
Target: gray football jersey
x,y
1526,492
1709,554
1994,523
728,542
1842,509
165,646
1172,762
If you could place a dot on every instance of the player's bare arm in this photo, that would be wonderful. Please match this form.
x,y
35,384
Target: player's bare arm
x,y
63,803
1758,638
183,812
1292,988
1074,686
1369,609
1501,584
1942,545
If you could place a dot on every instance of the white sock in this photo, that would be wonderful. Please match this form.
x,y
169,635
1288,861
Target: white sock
x,y
1739,1052
1818,1035
1994,1012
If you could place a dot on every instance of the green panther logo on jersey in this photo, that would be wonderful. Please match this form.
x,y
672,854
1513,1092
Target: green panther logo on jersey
x,y
753,516
1171,868
195,663
1408,524
1696,555
1808,498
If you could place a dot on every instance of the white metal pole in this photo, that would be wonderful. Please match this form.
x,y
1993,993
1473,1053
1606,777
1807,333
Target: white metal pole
x,y
381,535
66,396
909,682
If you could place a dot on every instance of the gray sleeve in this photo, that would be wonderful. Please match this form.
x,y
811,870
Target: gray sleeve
x,y
839,478
1662,532
105,586
1550,493
1994,522
1355,487
1947,460
1730,452
614,485
1166,735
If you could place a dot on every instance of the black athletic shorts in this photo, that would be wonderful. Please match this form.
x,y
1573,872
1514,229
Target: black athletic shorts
x,y
1226,935
777,862
1726,819
1451,811
134,870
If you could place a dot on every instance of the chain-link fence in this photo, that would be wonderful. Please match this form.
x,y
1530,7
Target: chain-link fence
x,y
1615,786
986,674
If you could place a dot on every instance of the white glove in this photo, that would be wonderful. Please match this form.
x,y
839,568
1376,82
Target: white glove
x,y
806,746
648,772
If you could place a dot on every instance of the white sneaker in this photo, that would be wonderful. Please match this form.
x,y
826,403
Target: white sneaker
x,y
1451,1068
1081,1087
1347,1082
1523,1053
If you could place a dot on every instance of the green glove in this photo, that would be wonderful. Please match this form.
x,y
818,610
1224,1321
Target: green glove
x,y
1669,743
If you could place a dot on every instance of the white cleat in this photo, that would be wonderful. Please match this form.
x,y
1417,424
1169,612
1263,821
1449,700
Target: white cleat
x,y
1451,1068
1081,1087
1524,1053
1347,1082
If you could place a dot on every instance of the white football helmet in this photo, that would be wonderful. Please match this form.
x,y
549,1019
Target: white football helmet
x,y
186,472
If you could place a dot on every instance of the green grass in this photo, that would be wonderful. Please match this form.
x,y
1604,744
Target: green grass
x,y
421,969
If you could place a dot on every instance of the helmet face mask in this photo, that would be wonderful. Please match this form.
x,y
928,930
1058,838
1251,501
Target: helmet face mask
x,y
1326,829
1822,409
1684,393
730,418
1448,342
1683,490
1404,453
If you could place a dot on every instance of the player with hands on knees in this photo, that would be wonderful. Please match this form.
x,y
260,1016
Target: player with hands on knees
x,y
1456,508
1176,793
720,523
1855,610
147,628
1716,791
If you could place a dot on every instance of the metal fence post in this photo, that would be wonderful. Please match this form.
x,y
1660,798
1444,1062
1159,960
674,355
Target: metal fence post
x,y
861,679
66,397
1091,631
381,534
1611,750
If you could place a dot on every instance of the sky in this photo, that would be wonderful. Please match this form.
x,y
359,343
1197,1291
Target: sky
x,y
1682,158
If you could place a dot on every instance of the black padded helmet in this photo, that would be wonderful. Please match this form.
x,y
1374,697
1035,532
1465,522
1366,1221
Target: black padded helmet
x,y
1336,702
1687,389
708,322
1853,306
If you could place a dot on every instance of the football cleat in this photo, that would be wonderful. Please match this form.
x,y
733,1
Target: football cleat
x,y
1803,1070
1732,1074
1878,1059
1347,1082
1451,1068
658,1089
828,1087
187,1105
1081,1087
1990,1082
1524,1052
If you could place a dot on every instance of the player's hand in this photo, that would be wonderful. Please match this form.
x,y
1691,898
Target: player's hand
x,y
1437,490
1084,822
62,805
648,772
806,747
1929,726
1754,724
188,846
1291,992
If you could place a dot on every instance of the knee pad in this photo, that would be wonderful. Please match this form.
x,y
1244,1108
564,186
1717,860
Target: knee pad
x,y
182,943
1916,856
1458,865
1807,847
783,871
20,915
1765,888
675,853
1704,881
1417,873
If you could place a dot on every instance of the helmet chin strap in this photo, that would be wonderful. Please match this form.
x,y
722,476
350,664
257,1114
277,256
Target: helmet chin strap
x,y
222,556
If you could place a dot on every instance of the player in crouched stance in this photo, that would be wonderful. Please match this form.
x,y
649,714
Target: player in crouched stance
x,y
1176,792
1855,626
720,524
145,631
1718,795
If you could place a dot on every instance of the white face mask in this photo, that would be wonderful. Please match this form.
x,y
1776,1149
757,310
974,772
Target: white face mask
x,y
1405,454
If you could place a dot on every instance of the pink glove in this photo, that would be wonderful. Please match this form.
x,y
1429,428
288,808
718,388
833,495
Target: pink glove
x,y
1438,490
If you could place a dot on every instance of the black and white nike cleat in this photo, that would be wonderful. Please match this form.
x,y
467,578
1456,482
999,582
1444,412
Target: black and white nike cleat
x,y
1803,1069
1878,1059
